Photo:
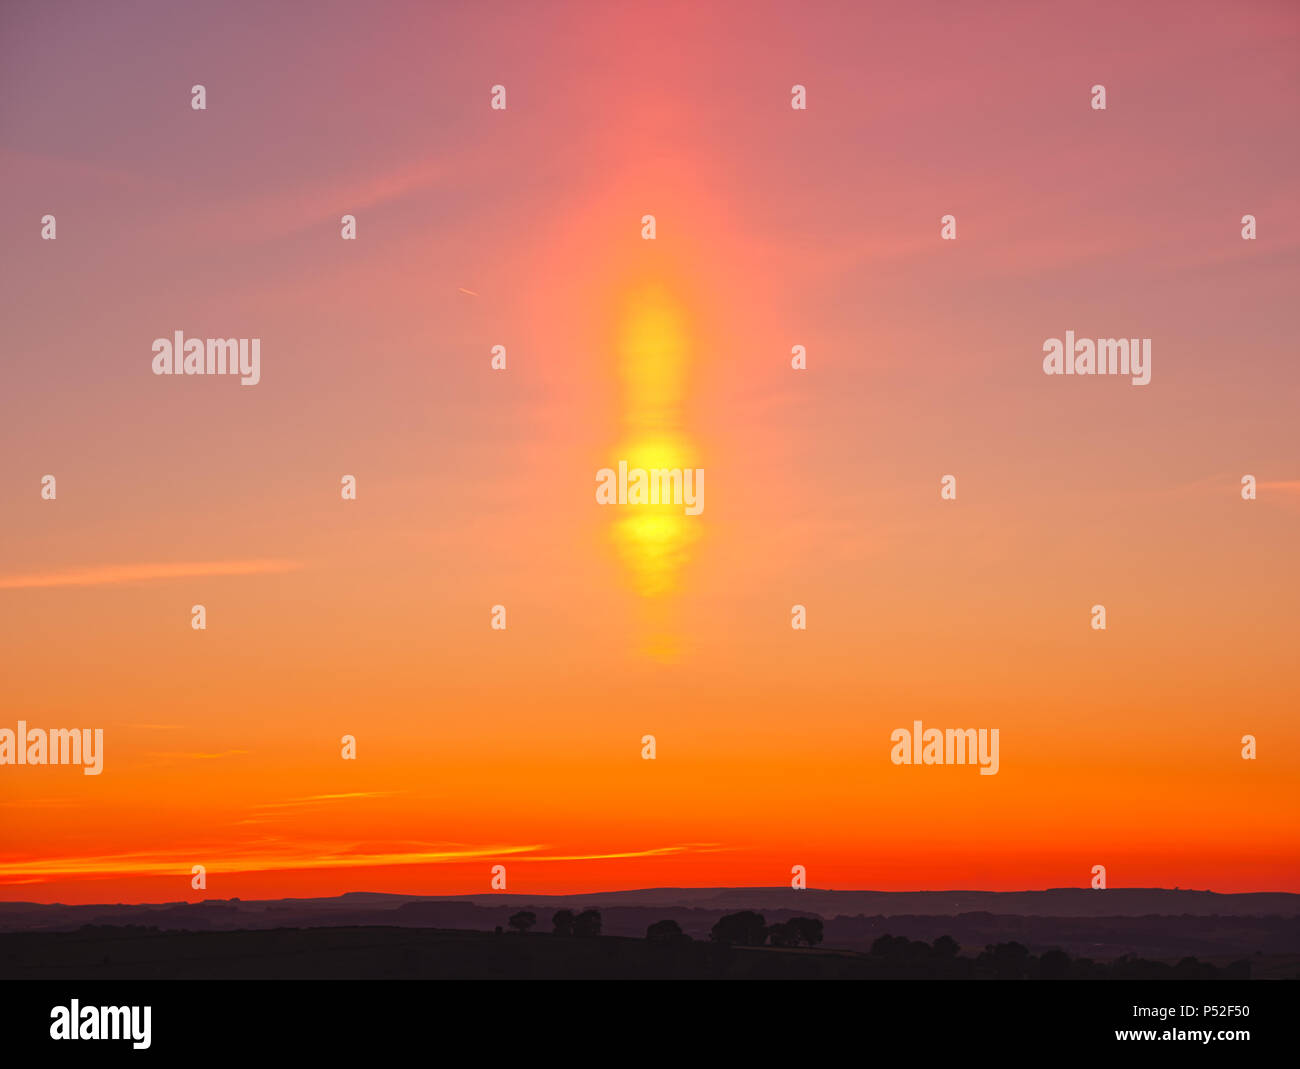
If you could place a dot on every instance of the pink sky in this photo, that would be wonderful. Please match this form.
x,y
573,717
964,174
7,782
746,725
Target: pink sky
x,y
775,227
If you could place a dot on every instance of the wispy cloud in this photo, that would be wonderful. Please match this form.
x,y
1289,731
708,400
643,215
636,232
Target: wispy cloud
x,y
1228,485
258,858
654,851
277,856
111,574
290,209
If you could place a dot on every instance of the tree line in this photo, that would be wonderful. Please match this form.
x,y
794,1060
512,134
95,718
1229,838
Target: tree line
x,y
746,928
903,958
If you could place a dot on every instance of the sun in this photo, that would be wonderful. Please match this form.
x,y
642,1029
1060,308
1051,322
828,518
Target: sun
x,y
654,349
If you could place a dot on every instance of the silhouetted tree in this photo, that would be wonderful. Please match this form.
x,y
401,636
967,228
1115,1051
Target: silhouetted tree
x,y
883,947
1053,965
562,922
1010,961
782,934
523,920
909,957
806,930
665,931
587,924
1191,969
746,929
946,947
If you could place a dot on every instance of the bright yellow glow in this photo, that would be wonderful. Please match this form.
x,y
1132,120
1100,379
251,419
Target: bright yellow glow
x,y
655,544
654,349
653,352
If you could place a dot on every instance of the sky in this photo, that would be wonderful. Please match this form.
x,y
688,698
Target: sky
x,y
522,227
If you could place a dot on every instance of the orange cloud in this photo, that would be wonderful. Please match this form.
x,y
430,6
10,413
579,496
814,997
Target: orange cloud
x,y
112,574
276,856
271,857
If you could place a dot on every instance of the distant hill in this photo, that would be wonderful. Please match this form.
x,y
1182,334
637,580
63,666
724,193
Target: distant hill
x,y
1054,902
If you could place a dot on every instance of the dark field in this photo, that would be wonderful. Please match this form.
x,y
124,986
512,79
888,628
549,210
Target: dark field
x,y
379,953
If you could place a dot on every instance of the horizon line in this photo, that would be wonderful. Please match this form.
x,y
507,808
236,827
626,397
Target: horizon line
x,y
640,890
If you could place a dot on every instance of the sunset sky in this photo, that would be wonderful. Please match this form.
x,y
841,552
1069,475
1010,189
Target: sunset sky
x,y
522,228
